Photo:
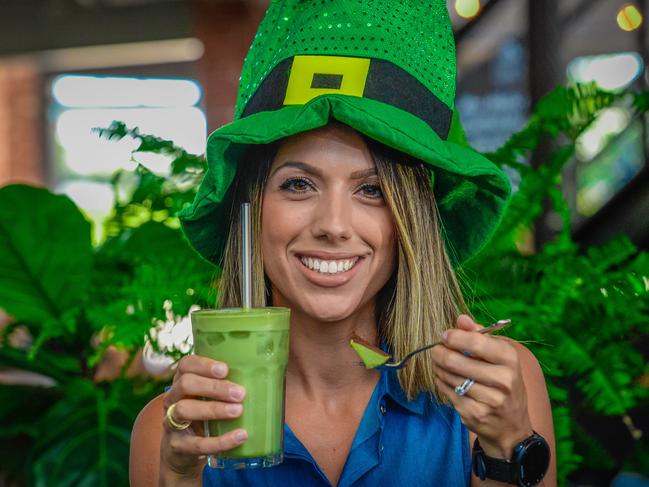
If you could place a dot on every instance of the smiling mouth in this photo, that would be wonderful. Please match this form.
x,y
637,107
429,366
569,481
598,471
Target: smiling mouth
x,y
329,267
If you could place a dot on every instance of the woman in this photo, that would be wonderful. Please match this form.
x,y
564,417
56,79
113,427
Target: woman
x,y
322,191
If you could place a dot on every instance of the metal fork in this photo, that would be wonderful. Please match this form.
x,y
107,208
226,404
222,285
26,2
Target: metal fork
x,y
498,325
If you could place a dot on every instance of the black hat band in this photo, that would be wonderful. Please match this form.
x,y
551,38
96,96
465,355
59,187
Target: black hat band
x,y
300,78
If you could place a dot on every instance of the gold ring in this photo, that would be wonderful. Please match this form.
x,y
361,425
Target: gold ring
x,y
171,421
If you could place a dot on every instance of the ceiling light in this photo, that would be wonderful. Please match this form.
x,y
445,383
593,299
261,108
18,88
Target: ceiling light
x,y
629,17
609,71
467,8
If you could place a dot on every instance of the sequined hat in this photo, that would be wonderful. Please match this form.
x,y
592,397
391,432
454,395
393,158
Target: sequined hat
x,y
385,68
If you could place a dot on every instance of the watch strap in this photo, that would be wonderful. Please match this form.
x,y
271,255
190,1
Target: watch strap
x,y
498,469
512,471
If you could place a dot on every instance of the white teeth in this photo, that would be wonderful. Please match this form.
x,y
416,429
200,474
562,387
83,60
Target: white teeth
x,y
328,266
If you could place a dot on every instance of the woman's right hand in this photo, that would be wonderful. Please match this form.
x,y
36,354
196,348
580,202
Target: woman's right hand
x,y
184,452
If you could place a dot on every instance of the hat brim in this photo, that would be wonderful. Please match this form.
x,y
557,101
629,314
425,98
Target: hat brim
x,y
471,191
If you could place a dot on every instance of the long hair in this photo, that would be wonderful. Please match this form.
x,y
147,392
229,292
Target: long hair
x,y
249,184
421,299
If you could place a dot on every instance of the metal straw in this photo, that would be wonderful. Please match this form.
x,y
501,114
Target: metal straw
x,y
246,257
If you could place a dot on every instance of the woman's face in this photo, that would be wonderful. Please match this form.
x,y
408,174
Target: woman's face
x,y
327,235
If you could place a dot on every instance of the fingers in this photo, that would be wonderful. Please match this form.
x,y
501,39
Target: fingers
x,y
190,385
198,410
488,395
471,411
182,445
202,377
457,363
196,378
493,349
195,364
464,322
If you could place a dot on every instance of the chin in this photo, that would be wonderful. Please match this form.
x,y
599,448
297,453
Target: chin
x,y
326,311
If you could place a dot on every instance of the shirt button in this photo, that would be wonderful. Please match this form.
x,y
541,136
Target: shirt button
x,y
383,409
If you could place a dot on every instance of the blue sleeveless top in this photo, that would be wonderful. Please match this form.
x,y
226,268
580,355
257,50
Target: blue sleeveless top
x,y
398,442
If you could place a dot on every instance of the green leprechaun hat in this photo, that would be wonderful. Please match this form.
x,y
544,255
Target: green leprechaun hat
x,y
385,68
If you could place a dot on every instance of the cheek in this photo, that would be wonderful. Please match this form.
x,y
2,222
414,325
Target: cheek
x,y
271,228
385,239
381,235
277,230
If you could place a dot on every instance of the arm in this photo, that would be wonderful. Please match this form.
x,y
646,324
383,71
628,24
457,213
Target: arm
x,y
166,456
539,411
144,461
509,398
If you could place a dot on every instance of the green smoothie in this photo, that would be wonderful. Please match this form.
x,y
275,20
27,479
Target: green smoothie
x,y
254,345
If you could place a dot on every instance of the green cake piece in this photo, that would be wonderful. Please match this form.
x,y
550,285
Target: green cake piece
x,y
371,356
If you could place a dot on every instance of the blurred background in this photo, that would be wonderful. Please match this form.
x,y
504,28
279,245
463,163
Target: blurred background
x,y
171,68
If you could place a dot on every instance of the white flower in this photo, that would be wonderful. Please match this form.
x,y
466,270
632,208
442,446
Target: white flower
x,y
174,334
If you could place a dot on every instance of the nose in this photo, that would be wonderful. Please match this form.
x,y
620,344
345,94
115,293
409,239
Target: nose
x,y
333,216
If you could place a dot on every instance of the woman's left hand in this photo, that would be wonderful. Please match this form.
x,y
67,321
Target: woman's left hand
x,y
495,407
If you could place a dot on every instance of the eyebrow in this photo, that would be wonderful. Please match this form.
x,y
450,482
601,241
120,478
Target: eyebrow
x,y
309,169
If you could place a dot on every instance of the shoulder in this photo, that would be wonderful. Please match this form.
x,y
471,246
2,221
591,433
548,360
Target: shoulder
x,y
144,461
530,367
537,393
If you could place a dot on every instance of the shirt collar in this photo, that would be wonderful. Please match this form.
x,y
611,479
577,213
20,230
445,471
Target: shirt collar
x,y
391,387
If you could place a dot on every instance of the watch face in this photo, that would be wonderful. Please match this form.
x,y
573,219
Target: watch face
x,y
534,462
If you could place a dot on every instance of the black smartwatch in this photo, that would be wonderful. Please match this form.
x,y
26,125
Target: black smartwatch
x,y
527,466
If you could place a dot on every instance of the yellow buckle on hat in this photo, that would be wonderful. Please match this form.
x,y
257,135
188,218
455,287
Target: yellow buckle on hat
x,y
313,76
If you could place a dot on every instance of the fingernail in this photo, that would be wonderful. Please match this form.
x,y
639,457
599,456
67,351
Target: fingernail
x,y
445,336
241,435
237,392
219,370
233,409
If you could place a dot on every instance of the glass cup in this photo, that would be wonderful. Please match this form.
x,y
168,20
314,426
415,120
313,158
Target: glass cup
x,y
254,344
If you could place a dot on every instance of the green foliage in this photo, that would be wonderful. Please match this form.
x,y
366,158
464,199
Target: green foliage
x,y
84,438
75,301
579,310
152,197
30,275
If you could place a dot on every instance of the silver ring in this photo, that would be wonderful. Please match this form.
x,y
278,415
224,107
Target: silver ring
x,y
463,388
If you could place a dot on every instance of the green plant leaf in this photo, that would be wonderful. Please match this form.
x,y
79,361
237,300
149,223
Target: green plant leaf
x,y
20,405
45,254
580,311
83,439
55,365
164,268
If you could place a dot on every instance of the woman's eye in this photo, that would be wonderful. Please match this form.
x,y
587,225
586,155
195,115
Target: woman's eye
x,y
296,185
372,191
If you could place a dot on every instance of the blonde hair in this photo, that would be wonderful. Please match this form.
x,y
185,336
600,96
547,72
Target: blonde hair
x,y
421,299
